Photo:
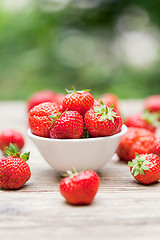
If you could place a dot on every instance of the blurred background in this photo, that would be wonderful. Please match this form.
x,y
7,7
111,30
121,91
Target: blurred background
x,y
102,45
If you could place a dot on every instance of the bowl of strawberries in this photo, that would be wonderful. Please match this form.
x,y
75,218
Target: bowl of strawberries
x,y
81,133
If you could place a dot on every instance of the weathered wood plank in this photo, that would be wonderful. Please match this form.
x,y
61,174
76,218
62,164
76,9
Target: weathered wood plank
x,y
110,215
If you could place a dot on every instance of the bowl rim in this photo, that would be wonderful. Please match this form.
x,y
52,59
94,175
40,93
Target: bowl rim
x,y
123,131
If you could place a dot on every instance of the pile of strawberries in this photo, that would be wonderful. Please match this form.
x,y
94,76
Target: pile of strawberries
x,y
14,170
139,146
78,115
142,128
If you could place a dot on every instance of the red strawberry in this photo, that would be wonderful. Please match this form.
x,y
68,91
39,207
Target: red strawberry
x,y
80,101
145,120
69,124
110,99
152,103
145,168
80,188
39,118
8,136
98,103
156,147
41,97
138,140
14,171
102,121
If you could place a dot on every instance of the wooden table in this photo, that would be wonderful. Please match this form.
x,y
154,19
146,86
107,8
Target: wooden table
x,y
122,209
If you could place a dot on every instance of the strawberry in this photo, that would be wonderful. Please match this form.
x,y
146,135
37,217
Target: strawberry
x,y
102,121
138,140
39,118
79,188
145,120
14,171
13,136
145,168
97,102
156,147
80,101
59,98
110,99
41,97
152,103
68,124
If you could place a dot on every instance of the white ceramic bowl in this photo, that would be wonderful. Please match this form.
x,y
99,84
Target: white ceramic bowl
x,y
91,153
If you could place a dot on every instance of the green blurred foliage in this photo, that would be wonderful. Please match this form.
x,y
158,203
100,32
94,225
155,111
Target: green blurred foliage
x,y
57,49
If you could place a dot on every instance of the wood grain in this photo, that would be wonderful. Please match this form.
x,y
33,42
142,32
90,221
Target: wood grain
x,y
122,209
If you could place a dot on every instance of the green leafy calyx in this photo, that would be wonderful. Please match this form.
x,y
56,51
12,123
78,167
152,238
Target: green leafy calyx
x,y
105,112
139,164
11,151
72,173
54,117
152,118
75,91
